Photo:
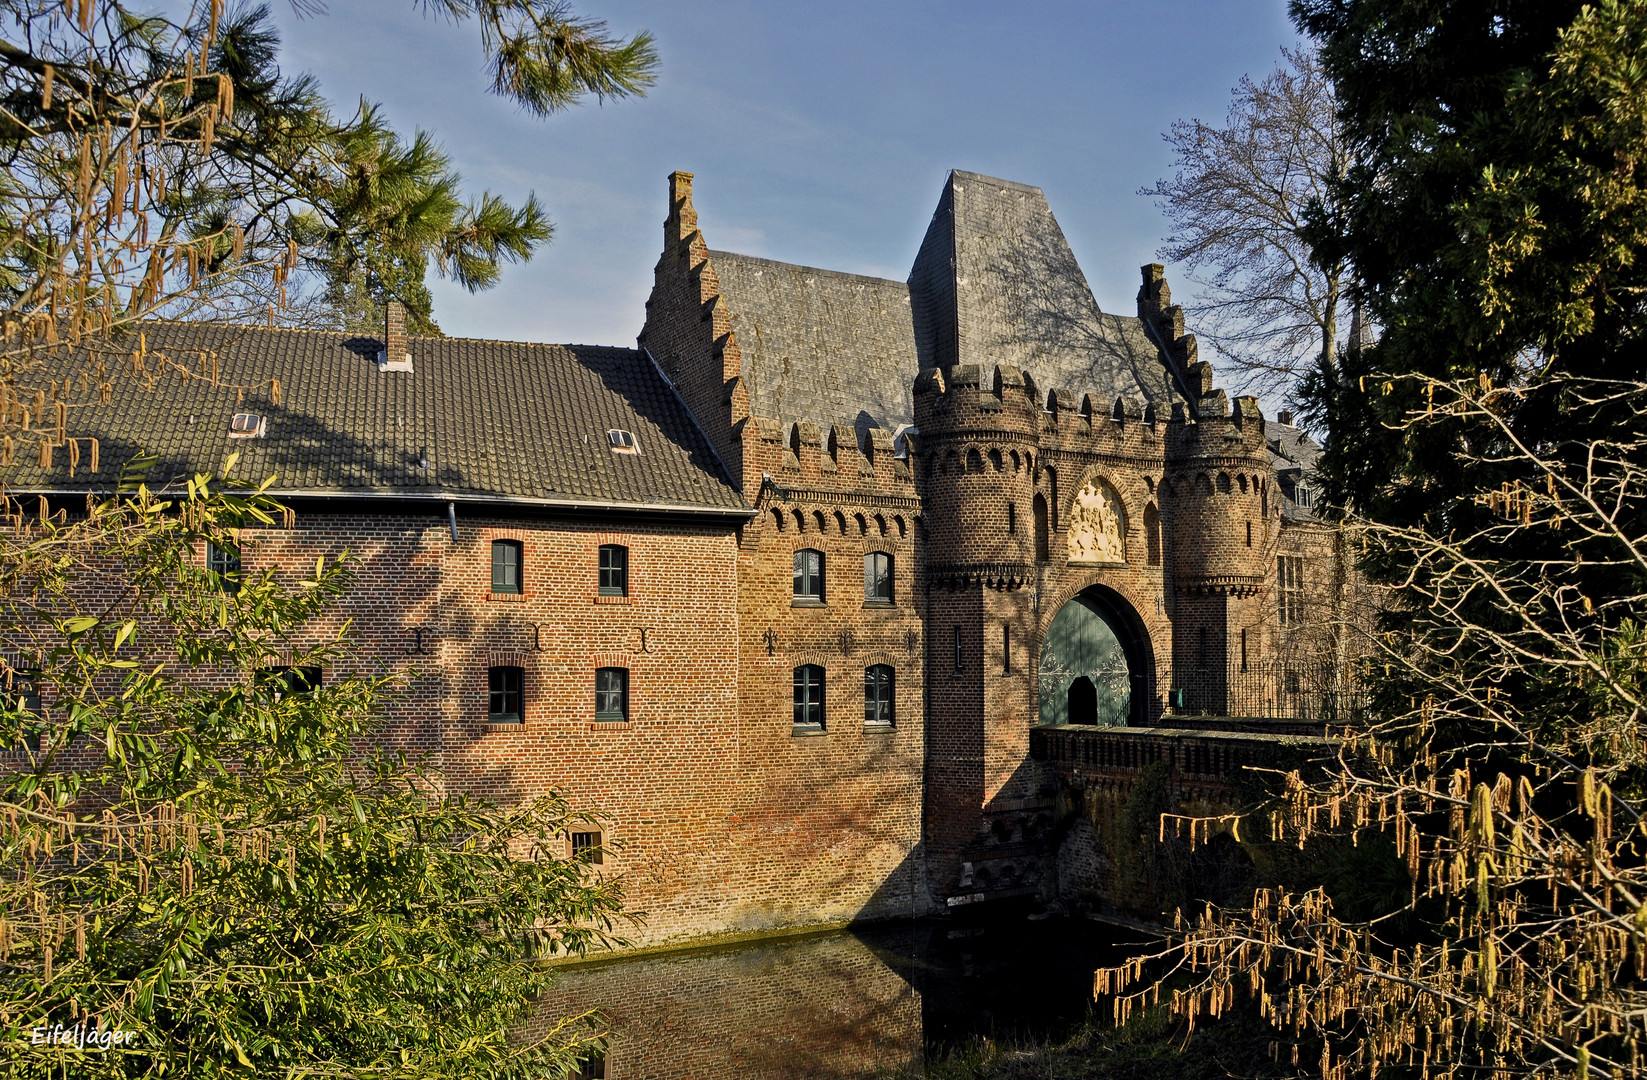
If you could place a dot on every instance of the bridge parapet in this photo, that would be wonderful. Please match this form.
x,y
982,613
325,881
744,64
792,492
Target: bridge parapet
x,y
1202,764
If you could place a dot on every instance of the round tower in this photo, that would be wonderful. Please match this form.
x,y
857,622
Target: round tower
x,y
1222,520
978,454
978,430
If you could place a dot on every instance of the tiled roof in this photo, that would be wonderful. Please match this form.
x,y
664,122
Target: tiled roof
x,y
498,421
820,345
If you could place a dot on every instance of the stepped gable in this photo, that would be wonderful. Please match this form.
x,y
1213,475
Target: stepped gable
x,y
995,281
819,345
496,421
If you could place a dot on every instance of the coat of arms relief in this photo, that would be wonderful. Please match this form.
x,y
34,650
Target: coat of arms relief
x,y
1097,525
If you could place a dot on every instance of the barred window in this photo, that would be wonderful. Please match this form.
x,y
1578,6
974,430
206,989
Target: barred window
x,y
809,570
611,693
879,686
809,696
614,570
225,564
586,845
878,577
1289,589
506,705
506,566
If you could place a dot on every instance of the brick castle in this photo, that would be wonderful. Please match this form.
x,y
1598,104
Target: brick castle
x,y
783,590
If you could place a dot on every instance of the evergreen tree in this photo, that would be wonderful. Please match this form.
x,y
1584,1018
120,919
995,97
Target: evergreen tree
x,y
1488,458
163,164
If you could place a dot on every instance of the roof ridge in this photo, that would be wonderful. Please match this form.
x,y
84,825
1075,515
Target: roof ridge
x,y
810,269
997,180
187,324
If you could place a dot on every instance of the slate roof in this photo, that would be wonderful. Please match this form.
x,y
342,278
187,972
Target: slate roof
x,y
1294,455
994,282
996,267
496,421
821,345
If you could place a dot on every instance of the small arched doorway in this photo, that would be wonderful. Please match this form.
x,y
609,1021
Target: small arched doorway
x,y
1095,663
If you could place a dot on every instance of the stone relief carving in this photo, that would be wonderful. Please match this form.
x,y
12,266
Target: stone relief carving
x,y
1097,525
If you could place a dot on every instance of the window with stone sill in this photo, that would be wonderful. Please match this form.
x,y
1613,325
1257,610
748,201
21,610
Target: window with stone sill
x,y
21,693
225,565
879,693
279,682
586,846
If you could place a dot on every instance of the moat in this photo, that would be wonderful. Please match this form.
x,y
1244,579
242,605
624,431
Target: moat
x,y
869,1002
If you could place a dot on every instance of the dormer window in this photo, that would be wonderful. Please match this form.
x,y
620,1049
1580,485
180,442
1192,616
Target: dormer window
x,y
247,425
622,442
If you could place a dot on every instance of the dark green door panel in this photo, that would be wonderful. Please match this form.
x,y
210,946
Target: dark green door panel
x,y
1084,668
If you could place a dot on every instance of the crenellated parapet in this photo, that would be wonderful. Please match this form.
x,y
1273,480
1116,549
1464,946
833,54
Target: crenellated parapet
x,y
1093,424
861,460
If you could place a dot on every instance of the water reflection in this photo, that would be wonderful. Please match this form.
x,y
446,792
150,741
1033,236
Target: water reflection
x,y
862,1003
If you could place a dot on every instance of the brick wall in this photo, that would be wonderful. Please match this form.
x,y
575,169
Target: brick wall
x,y
720,818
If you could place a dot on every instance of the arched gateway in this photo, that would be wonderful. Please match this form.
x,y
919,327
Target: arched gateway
x,y
1094,662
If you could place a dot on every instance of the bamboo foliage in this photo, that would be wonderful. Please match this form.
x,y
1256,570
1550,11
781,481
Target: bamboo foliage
x,y
173,848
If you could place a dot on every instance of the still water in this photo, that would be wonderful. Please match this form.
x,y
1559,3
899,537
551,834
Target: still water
x,y
870,1002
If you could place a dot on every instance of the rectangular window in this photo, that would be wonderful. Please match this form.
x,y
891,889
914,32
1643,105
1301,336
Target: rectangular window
x,y
280,681
226,565
1243,648
614,570
506,560
877,578
591,1066
809,567
959,666
611,693
879,688
506,705
1006,649
1289,589
809,697
586,845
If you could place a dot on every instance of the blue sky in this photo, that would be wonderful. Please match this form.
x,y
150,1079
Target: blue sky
x,y
819,133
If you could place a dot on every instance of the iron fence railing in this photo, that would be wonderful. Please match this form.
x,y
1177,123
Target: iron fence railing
x,y
1282,691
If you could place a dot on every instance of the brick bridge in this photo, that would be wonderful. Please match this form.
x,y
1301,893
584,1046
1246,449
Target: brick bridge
x,y
1096,783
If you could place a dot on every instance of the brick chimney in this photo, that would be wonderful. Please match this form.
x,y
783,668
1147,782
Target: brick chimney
x,y
1284,417
396,355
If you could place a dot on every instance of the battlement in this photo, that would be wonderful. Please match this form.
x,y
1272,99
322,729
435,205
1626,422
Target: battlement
x,y
1220,431
839,456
